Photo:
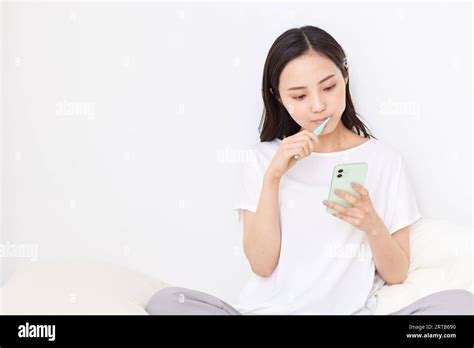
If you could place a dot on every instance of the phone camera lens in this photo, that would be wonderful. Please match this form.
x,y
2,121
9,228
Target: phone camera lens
x,y
339,175
339,171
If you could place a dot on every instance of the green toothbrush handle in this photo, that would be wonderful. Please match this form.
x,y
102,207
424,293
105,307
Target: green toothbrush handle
x,y
317,131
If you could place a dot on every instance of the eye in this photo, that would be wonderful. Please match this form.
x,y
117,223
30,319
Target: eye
x,y
300,97
329,88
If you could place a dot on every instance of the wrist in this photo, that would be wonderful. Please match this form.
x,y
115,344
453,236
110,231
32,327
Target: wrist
x,y
272,177
378,229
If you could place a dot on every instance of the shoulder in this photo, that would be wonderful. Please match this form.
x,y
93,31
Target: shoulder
x,y
384,151
259,155
265,150
267,145
388,160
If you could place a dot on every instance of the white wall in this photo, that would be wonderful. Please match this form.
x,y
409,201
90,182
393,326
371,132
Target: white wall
x,y
122,121
1,141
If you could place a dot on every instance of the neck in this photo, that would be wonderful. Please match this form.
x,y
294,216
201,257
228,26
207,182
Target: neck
x,y
337,140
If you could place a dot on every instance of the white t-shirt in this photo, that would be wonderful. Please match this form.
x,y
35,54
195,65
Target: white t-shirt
x,y
326,264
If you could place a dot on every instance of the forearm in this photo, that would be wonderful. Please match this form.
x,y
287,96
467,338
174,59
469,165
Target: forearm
x,y
262,244
390,260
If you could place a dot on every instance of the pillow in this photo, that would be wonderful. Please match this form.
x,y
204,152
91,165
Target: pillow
x,y
436,242
440,253
77,287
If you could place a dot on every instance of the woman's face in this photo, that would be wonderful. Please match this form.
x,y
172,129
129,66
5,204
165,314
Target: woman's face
x,y
312,87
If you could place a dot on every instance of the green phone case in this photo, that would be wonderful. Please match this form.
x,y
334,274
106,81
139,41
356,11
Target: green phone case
x,y
342,177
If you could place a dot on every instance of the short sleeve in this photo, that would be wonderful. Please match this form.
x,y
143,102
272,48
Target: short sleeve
x,y
402,206
248,186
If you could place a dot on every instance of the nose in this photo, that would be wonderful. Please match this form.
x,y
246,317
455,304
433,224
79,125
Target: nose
x,y
317,105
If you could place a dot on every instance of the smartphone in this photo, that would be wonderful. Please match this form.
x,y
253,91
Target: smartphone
x,y
342,177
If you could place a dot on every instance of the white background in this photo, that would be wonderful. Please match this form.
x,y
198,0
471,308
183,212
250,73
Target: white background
x,y
123,123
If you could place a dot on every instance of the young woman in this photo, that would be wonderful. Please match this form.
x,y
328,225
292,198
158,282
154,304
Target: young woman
x,y
303,259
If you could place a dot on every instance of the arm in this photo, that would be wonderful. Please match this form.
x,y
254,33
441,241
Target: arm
x,y
262,229
262,238
391,253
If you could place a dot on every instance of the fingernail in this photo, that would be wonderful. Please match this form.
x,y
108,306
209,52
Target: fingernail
x,y
325,202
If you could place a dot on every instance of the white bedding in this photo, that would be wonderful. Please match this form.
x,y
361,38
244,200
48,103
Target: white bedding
x,y
77,287
441,258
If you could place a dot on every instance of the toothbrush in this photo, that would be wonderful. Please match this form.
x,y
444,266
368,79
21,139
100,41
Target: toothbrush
x,y
317,131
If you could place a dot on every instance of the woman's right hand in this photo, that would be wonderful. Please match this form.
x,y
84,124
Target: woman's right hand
x,y
301,144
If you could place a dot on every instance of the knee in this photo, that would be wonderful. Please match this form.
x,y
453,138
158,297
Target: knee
x,y
166,292
467,297
162,299
460,293
465,292
459,301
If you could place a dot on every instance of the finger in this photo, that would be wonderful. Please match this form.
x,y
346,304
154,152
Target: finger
x,y
313,136
337,207
303,145
297,151
307,138
350,198
306,133
300,137
355,213
353,221
364,193
300,146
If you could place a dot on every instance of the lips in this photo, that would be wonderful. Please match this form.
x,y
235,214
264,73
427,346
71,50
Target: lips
x,y
321,120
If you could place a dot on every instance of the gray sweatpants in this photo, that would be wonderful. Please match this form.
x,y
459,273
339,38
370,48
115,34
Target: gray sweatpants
x,y
184,301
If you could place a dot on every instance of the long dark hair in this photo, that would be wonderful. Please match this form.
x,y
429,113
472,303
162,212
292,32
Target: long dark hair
x,y
293,43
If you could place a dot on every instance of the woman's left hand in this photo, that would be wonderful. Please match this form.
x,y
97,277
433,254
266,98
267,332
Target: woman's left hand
x,y
363,215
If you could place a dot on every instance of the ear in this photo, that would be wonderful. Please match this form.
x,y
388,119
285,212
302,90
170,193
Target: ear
x,y
346,79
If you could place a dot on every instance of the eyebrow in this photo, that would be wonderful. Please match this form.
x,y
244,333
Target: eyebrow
x,y
303,87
